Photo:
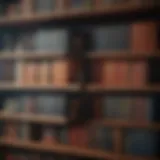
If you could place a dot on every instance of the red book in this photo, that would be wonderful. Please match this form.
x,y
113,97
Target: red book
x,y
144,37
122,74
78,136
109,74
138,74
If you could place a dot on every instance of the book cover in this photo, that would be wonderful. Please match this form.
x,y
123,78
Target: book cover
x,y
144,37
111,37
141,142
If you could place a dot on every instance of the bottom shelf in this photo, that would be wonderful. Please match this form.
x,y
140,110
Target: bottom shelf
x,y
70,150
57,148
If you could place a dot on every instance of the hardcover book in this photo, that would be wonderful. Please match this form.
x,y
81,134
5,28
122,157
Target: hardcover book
x,y
51,40
144,37
113,37
44,6
101,138
141,142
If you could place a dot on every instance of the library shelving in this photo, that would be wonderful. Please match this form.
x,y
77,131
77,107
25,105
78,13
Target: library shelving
x,y
77,83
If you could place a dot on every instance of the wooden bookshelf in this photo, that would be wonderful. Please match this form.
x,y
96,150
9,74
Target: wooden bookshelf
x,y
57,148
32,118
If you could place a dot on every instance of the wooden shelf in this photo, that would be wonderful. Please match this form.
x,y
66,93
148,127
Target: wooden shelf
x,y
122,55
73,13
33,118
69,88
95,88
129,124
109,55
57,148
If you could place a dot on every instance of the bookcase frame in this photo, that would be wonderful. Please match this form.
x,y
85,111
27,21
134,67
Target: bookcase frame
x,y
65,14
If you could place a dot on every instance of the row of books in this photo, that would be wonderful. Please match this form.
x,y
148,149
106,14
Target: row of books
x,y
134,108
120,73
139,37
136,141
17,7
25,131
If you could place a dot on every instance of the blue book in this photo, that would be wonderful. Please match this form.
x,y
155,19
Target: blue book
x,y
141,142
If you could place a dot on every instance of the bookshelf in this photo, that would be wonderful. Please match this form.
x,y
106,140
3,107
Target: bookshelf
x,y
80,79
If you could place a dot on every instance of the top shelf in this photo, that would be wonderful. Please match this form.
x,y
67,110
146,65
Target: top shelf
x,y
73,13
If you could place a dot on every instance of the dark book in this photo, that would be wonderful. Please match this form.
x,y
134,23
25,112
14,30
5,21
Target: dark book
x,y
52,105
141,142
101,137
44,6
7,71
111,37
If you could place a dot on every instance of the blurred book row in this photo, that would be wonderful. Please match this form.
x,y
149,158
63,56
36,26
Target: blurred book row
x,y
129,108
16,7
136,38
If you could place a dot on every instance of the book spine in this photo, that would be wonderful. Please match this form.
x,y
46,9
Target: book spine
x,y
60,73
44,69
139,74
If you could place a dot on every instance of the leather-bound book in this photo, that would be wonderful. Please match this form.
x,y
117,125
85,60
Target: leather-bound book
x,y
138,74
144,37
60,73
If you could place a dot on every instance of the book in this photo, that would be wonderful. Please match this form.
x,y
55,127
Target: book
x,y
144,37
141,142
82,133
111,37
49,135
143,109
122,74
51,40
138,74
7,71
117,107
23,131
47,6
44,73
51,105
81,3
109,74
101,137
11,106
60,66
10,131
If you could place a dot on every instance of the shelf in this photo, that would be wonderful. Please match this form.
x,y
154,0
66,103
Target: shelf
x,y
73,13
95,88
129,124
33,118
69,88
122,55
111,55
57,148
